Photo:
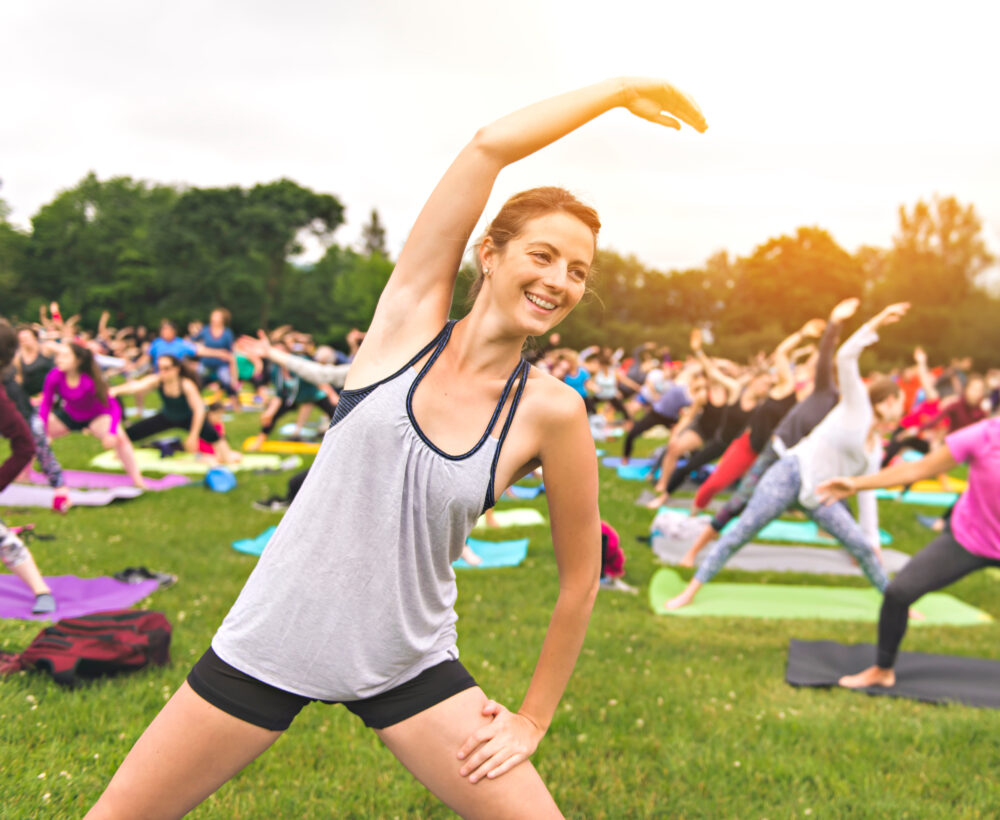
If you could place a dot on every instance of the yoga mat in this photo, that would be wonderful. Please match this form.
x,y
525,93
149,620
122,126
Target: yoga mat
x,y
798,532
635,472
308,431
87,480
74,596
133,412
514,518
616,461
187,464
495,553
781,601
930,499
283,447
31,495
519,491
772,558
254,546
919,676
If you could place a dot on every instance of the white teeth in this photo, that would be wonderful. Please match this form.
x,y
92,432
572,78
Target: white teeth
x,y
540,302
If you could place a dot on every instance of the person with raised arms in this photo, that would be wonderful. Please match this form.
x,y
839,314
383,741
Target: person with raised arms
x,y
353,599
847,441
970,541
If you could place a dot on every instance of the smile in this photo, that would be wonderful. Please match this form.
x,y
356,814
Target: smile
x,y
538,301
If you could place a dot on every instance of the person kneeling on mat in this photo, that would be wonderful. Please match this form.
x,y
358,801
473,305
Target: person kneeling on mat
x,y
971,540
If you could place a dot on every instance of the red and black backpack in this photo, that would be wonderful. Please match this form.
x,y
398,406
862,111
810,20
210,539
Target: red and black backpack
x,y
74,650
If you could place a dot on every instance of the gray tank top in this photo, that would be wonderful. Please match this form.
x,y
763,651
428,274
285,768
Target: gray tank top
x,y
355,592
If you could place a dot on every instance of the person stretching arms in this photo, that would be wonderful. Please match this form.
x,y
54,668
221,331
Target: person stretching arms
x,y
970,542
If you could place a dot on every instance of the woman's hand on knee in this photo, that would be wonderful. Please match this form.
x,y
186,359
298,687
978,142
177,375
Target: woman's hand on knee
x,y
510,738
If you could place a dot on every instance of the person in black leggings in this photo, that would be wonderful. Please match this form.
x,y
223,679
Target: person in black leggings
x,y
182,407
971,540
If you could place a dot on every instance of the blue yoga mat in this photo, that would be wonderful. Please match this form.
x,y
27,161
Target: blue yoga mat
x,y
495,553
941,499
616,461
254,546
520,491
635,472
798,532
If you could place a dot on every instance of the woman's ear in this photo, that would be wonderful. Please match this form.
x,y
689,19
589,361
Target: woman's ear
x,y
487,255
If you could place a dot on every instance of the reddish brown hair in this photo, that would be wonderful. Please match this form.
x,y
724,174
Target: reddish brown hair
x,y
521,209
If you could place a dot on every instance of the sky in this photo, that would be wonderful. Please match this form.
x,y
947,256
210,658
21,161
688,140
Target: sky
x,y
831,115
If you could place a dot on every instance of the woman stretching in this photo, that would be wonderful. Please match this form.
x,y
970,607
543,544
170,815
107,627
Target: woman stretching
x,y
75,397
846,442
13,553
970,542
353,599
182,407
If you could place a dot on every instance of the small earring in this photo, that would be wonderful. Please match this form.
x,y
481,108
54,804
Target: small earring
x,y
486,271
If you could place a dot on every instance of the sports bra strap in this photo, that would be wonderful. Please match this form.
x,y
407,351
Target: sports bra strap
x,y
522,372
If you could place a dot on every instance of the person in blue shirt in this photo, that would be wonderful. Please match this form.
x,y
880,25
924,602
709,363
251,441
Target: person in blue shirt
x,y
218,362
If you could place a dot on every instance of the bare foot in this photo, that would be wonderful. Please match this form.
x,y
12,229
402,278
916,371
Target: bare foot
x,y
679,601
657,502
872,676
491,519
916,615
140,483
470,557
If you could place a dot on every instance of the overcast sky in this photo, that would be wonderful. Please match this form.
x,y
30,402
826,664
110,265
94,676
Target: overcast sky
x,y
820,114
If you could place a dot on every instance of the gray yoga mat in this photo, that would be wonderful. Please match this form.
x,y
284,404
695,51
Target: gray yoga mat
x,y
919,676
773,558
31,495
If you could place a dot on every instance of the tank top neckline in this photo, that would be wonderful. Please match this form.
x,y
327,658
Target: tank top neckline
x,y
442,342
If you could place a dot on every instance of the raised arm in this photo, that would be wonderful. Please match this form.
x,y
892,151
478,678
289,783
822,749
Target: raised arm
x,y
732,386
823,379
852,388
135,386
926,381
417,298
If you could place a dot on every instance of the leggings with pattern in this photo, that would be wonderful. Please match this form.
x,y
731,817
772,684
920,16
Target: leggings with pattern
x,y
12,549
777,491
43,452
738,500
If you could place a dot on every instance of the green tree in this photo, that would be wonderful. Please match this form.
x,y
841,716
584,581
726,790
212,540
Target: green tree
x,y
13,243
373,236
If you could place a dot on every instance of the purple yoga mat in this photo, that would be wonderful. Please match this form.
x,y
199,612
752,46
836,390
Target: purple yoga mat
x,y
88,480
74,596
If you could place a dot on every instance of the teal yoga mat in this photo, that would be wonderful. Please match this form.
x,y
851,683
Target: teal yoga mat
x,y
521,491
514,518
940,499
495,553
783,601
254,546
797,532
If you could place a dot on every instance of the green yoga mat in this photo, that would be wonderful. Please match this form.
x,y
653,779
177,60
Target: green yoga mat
x,y
797,532
149,461
785,601
514,518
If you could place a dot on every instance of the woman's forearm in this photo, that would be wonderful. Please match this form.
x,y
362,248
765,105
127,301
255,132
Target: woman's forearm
x,y
563,641
907,472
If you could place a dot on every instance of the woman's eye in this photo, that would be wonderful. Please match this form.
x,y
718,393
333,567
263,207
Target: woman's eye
x,y
541,256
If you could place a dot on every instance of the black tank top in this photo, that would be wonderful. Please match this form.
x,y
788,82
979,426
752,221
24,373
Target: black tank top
x,y
176,408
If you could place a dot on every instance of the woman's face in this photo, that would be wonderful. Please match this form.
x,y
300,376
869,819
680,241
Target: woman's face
x,y
890,410
65,359
542,273
216,319
975,392
165,366
27,341
167,332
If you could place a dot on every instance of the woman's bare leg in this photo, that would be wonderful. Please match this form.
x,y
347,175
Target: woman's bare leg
x,y
703,540
189,750
122,445
684,443
427,744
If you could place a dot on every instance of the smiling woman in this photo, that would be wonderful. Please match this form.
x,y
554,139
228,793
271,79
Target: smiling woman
x,y
353,600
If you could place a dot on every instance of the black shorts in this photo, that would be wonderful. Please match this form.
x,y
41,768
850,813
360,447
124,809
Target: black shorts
x,y
71,423
261,704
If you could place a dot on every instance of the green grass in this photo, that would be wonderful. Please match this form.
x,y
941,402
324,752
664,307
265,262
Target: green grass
x,y
663,717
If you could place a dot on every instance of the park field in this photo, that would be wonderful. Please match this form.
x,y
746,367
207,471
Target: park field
x,y
664,717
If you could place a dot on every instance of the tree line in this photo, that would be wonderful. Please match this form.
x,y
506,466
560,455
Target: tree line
x,y
143,251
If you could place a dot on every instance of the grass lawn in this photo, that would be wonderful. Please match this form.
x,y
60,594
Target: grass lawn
x,y
664,717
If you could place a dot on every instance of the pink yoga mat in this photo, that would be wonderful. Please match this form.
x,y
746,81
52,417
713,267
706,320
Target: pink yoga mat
x,y
74,596
89,480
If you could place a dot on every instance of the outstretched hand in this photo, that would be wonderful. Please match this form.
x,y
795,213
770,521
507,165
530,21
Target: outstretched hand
x,y
845,309
834,490
892,313
510,738
259,347
814,328
656,100
695,339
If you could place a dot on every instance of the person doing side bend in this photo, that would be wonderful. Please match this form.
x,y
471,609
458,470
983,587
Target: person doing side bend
x,y
353,599
182,407
971,540
796,425
75,397
846,442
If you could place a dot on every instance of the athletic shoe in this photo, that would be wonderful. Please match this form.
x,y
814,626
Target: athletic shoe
x,y
44,604
273,504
